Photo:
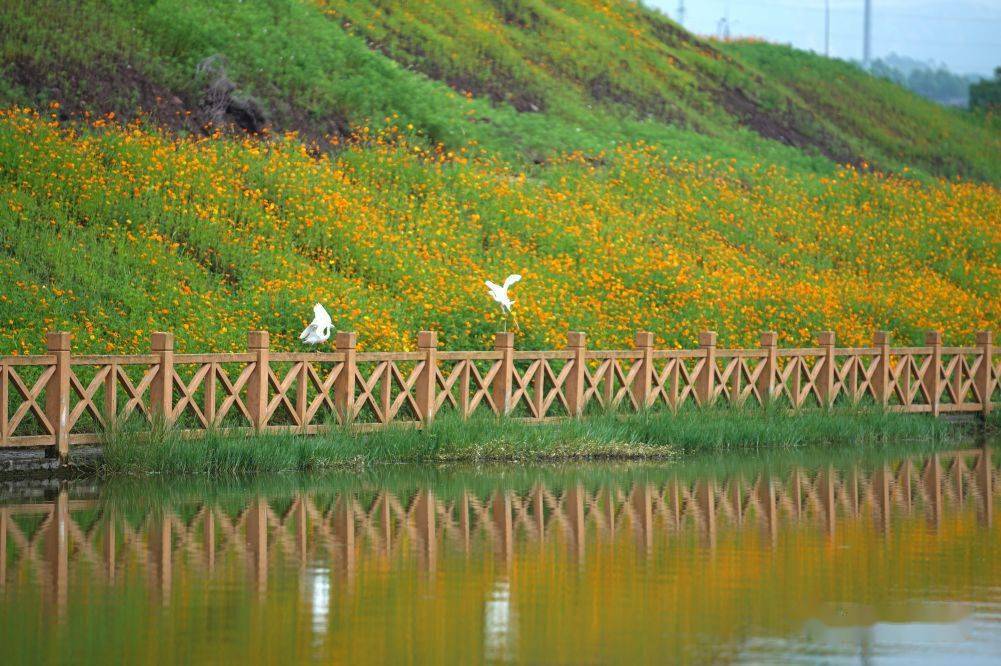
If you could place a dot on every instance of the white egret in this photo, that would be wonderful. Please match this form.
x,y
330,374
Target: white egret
x,y
319,329
499,294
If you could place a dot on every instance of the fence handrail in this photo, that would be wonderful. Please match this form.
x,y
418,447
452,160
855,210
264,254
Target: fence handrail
x,y
73,399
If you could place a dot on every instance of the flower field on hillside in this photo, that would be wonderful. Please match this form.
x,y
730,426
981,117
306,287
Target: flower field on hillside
x,y
113,232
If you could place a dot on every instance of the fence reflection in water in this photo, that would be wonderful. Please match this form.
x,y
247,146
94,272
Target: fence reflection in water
x,y
49,539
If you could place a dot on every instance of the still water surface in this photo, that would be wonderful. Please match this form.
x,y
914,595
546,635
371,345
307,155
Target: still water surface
x,y
882,559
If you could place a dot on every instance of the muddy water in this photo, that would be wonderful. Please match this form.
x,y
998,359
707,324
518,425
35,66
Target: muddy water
x,y
894,557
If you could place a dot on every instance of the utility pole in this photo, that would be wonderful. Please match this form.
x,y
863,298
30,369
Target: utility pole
x,y
867,34
723,26
681,13
827,28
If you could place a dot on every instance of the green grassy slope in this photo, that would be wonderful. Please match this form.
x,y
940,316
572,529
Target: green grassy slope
x,y
899,128
523,79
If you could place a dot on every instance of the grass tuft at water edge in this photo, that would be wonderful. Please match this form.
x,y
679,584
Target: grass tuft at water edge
x,y
647,435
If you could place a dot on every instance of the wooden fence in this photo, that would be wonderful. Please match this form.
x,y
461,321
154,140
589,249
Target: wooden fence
x,y
59,399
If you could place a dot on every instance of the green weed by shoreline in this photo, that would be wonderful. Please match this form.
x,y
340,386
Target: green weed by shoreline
x,y
652,435
451,480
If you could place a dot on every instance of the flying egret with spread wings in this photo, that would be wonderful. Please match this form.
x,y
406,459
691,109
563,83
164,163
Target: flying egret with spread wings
x,y
319,329
499,294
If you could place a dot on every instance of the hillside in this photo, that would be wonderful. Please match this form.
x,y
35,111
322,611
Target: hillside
x,y
525,79
637,176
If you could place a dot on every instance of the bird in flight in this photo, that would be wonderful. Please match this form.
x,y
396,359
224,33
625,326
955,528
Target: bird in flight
x,y
319,329
499,294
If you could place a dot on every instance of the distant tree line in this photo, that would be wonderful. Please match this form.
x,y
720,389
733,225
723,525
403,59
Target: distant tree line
x,y
986,94
931,81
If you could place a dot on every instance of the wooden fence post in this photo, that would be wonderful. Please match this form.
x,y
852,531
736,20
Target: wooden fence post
x,y
344,385
932,376
258,343
826,380
4,404
427,343
881,376
766,380
704,383
161,391
110,407
985,371
576,343
57,395
504,343
644,378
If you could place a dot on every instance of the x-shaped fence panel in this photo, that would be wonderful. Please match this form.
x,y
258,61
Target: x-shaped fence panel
x,y
60,399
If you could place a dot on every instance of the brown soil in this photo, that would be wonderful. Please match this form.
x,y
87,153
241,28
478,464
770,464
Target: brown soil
x,y
496,83
782,127
129,92
99,90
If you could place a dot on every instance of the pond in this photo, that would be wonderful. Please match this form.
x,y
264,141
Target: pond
x,y
823,559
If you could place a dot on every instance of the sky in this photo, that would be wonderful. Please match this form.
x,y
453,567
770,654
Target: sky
x,y
963,34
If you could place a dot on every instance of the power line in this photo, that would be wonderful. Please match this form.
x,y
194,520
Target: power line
x,y
902,39
954,19
850,10
905,40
